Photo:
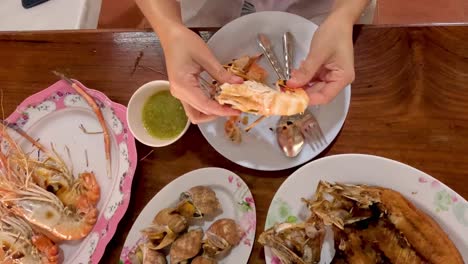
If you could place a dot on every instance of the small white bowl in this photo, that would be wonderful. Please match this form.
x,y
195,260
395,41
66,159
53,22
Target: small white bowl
x,y
135,110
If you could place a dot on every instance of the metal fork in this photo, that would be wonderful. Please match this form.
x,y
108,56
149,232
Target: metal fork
x,y
311,130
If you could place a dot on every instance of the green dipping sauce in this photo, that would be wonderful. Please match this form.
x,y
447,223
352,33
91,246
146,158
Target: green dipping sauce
x,y
163,116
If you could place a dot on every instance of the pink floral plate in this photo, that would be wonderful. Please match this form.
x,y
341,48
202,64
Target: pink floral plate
x,y
235,198
431,196
58,115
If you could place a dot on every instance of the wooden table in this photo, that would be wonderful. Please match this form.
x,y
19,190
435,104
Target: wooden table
x,y
409,103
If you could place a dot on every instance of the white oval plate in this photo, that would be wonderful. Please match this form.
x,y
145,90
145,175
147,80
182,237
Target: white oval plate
x,y
235,198
54,115
434,198
259,149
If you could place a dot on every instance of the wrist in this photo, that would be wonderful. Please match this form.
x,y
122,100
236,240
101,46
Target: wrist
x,y
339,22
348,11
163,15
168,30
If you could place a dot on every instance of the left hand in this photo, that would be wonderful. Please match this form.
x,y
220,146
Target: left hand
x,y
329,66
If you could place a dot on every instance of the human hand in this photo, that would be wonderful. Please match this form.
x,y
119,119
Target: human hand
x,y
329,66
187,56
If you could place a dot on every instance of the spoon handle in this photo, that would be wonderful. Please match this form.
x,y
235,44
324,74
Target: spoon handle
x,y
288,53
265,43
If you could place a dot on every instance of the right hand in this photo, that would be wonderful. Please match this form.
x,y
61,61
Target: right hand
x,y
187,55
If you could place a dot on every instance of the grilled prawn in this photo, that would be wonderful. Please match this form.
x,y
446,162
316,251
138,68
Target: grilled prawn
x,y
51,173
42,209
257,98
20,244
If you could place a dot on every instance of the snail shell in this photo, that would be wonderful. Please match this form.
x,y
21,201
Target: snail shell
x,y
174,221
186,246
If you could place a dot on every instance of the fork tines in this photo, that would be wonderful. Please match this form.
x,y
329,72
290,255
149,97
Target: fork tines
x,y
312,132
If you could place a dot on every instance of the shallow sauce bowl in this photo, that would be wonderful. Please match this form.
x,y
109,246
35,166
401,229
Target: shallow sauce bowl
x,y
135,114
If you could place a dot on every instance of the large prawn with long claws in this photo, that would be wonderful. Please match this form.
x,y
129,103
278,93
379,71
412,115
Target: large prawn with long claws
x,y
50,173
43,210
98,113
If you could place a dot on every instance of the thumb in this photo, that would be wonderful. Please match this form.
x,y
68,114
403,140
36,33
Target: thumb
x,y
216,70
304,74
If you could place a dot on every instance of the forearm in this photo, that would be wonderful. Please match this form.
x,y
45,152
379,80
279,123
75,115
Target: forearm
x,y
163,15
349,10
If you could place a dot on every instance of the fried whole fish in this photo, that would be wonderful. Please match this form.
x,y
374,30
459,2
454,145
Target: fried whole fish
x,y
374,225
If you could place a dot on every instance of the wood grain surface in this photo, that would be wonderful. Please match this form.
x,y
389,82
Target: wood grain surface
x,y
409,103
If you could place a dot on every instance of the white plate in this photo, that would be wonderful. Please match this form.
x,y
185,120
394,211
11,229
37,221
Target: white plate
x,y
259,149
235,198
434,198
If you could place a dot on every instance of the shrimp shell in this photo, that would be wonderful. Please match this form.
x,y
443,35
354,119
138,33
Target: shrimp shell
x,y
257,98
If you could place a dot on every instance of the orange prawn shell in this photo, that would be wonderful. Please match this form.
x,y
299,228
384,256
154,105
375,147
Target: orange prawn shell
x,y
258,98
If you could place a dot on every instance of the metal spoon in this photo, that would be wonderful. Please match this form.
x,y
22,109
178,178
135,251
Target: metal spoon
x,y
289,135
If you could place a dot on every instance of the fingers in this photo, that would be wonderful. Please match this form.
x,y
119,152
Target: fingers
x,y
197,99
188,88
190,92
324,92
195,116
306,71
208,62
334,72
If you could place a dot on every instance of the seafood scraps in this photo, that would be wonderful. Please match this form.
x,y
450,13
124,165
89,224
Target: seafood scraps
x,y
247,68
232,130
370,225
257,98
295,243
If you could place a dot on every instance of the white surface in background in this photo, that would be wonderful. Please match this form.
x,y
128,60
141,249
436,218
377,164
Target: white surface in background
x,y
51,15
